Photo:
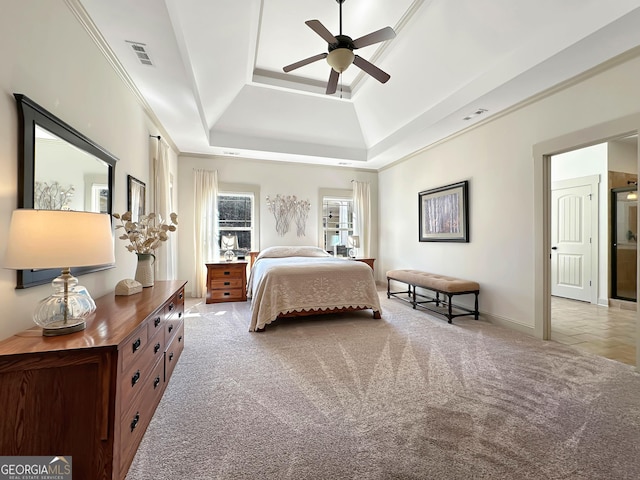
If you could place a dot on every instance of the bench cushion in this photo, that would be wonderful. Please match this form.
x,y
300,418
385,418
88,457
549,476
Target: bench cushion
x,y
433,281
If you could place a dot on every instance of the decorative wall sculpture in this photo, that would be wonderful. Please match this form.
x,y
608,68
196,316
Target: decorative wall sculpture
x,y
286,208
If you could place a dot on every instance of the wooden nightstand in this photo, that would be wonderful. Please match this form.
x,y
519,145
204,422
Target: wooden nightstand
x,y
227,282
368,261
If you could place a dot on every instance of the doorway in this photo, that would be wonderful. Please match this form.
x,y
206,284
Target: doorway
x,y
613,332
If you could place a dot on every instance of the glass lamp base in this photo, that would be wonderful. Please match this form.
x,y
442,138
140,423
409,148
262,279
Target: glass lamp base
x,y
62,328
229,256
353,252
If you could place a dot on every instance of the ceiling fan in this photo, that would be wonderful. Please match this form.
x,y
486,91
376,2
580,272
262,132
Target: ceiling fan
x,y
341,55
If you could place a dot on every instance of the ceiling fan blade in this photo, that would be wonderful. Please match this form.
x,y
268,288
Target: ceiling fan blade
x,y
381,35
371,69
304,62
321,30
332,86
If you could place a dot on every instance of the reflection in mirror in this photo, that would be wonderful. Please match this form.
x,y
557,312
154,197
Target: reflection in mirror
x,y
67,178
59,169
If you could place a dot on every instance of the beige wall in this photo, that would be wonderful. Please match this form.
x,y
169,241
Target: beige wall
x,y
507,182
47,55
270,178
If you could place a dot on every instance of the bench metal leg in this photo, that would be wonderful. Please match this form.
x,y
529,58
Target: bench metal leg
x,y
450,316
475,316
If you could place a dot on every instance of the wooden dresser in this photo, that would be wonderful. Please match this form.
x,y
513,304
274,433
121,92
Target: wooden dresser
x,y
227,282
91,394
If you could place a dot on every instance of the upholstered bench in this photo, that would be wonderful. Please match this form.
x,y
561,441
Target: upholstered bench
x,y
440,284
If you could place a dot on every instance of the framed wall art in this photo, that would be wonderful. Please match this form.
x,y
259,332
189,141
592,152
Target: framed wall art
x,y
444,213
136,195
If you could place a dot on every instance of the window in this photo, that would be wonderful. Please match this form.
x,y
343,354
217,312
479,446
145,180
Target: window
x,y
236,218
337,224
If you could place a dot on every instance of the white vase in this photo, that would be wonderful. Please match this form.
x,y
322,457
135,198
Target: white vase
x,y
144,270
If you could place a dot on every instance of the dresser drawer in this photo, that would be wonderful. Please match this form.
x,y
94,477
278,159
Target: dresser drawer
x,y
171,327
138,415
174,350
131,382
155,324
134,347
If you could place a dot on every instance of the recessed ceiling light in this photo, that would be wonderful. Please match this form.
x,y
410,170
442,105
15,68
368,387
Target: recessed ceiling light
x,y
479,111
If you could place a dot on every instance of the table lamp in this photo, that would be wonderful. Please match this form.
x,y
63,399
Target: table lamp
x,y
229,243
62,239
354,243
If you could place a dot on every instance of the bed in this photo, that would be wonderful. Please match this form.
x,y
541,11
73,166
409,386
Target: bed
x,y
296,281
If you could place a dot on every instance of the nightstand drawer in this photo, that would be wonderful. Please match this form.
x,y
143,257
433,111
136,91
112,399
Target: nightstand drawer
x,y
228,271
226,283
228,295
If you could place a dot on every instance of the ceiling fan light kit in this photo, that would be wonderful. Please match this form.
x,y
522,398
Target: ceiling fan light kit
x,y
341,54
340,59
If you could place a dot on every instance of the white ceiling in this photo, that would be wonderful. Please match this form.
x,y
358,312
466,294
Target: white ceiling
x,y
217,85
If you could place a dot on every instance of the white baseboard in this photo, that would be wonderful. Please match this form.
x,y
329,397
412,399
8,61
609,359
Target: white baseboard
x,y
508,323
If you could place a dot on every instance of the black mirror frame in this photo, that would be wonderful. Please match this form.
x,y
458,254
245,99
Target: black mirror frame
x,y
30,115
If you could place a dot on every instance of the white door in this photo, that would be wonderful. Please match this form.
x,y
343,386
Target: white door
x,y
571,242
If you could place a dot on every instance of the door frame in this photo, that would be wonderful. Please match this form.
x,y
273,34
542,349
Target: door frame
x,y
542,153
613,290
592,181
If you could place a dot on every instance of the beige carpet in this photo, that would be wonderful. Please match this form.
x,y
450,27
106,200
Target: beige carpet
x,y
404,397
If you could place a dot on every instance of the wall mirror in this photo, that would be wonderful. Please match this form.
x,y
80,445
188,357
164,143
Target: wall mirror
x,y
59,169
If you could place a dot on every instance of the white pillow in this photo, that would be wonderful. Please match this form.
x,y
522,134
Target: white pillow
x,y
293,251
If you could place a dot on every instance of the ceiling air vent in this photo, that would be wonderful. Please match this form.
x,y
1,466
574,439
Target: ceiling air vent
x,y
141,53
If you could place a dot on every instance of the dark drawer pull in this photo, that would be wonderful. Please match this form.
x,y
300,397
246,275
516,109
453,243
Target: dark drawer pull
x,y
156,382
227,273
170,328
180,315
134,422
136,344
135,378
179,338
226,294
156,322
156,347
171,356
181,295
171,306
227,283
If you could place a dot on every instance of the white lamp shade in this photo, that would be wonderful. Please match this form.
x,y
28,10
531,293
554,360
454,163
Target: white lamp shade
x,y
58,239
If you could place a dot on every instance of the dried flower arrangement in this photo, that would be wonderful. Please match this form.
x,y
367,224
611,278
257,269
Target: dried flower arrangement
x,y
147,233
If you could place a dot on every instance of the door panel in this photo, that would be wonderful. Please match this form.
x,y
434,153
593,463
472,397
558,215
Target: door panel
x,y
571,243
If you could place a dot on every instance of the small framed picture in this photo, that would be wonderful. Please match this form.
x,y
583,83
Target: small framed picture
x,y
444,213
136,198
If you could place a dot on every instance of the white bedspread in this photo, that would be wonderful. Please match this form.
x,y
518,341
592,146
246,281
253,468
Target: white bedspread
x,y
296,284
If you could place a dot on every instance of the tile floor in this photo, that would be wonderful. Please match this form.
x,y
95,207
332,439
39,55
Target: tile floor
x,y
606,331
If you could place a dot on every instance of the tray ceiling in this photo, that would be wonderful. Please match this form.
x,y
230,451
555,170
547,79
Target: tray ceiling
x,y
214,75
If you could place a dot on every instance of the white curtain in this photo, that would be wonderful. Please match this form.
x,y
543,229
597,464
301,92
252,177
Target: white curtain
x,y
165,264
205,223
362,216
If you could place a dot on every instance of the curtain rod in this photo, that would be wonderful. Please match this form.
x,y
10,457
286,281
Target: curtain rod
x,y
155,136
